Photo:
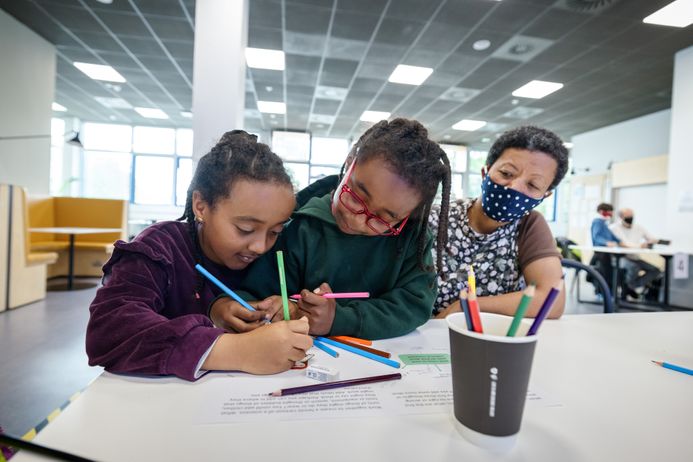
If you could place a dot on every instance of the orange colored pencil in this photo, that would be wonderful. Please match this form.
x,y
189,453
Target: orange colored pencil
x,y
384,354
474,312
352,339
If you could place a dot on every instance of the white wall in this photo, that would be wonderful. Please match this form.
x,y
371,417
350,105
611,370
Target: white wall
x,y
679,204
27,82
644,136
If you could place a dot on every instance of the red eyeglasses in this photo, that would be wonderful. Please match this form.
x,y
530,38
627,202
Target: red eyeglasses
x,y
353,203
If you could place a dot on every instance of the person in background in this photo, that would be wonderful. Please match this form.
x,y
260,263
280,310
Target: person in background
x,y
507,242
602,236
639,273
150,316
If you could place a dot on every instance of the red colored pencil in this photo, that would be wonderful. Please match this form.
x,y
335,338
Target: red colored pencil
x,y
474,312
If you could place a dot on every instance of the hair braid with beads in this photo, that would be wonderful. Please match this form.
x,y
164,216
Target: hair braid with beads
x,y
405,146
237,156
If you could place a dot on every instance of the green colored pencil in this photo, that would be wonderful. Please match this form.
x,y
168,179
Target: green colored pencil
x,y
521,309
282,284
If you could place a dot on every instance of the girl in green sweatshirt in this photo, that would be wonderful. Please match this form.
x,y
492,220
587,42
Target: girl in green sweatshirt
x,y
369,234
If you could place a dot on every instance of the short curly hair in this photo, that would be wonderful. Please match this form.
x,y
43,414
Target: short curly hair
x,y
533,139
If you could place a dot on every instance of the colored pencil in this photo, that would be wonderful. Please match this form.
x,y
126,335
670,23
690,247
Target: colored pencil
x,y
464,306
337,384
223,287
356,351
384,354
474,313
351,339
674,367
38,449
471,280
318,344
282,284
527,296
545,308
340,295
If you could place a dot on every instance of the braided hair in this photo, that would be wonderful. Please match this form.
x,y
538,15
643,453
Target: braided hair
x,y
236,156
405,146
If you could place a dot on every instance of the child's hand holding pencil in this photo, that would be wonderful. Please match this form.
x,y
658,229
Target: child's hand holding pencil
x,y
319,310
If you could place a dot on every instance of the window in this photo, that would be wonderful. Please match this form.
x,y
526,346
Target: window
x,y
107,137
106,174
291,145
299,174
183,178
328,151
154,140
144,165
477,160
152,184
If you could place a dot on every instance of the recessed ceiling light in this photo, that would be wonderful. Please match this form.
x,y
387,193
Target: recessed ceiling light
x,y
568,145
485,139
100,72
151,113
481,45
113,103
469,125
58,107
374,116
537,89
410,75
271,107
446,137
261,58
675,14
186,114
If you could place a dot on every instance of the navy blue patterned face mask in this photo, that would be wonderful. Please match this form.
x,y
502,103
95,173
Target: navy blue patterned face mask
x,y
504,204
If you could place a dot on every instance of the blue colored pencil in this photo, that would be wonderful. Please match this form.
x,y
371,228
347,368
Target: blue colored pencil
x,y
545,308
674,367
356,351
325,348
464,305
223,287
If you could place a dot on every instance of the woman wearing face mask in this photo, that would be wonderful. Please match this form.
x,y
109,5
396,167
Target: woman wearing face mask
x,y
508,244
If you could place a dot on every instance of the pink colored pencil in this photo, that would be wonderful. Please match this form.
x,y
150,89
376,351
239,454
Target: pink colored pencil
x,y
340,295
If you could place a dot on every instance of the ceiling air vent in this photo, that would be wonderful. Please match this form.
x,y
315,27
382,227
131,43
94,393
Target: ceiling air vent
x,y
586,6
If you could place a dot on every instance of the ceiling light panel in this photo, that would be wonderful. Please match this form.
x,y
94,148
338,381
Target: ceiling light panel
x,y
151,113
537,89
58,107
271,107
675,14
469,125
410,75
374,116
261,58
100,72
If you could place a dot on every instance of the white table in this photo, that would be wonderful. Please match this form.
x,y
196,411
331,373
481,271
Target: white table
x,y
618,252
73,231
616,405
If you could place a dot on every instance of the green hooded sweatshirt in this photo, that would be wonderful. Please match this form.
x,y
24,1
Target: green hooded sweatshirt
x,y
316,251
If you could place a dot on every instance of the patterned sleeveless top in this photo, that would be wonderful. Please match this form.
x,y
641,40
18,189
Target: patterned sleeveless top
x,y
494,256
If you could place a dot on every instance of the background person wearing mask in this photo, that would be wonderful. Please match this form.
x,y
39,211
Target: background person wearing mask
x,y
639,273
602,236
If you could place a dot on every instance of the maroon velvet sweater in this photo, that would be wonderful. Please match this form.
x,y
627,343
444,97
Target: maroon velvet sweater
x,y
146,318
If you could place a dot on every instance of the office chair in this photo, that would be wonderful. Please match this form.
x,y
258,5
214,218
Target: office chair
x,y
598,279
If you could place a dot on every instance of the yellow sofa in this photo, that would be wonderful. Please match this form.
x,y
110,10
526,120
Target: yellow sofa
x,y
91,250
22,271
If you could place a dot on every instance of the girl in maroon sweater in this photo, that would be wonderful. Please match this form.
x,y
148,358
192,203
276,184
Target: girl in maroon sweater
x,y
150,316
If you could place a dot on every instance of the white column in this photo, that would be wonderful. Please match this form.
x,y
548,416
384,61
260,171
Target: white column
x,y
221,31
679,204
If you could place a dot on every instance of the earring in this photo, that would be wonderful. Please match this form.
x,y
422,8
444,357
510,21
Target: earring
x,y
198,219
